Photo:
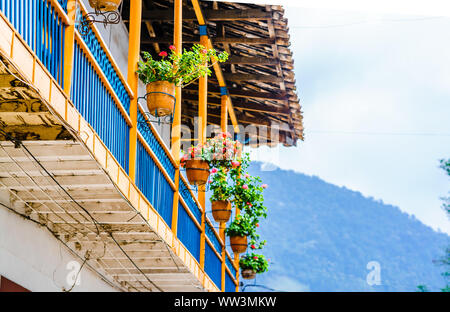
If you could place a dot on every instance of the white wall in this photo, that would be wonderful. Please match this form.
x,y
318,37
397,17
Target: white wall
x,y
116,38
33,258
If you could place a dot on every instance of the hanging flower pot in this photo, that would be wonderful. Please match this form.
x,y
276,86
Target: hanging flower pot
x,y
252,264
197,171
221,210
174,69
105,5
248,274
238,243
160,98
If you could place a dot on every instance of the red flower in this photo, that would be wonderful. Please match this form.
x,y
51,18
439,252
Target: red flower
x,y
257,225
172,47
163,53
255,257
253,246
249,204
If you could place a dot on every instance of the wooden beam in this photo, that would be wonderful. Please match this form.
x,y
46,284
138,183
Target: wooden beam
x,y
229,40
251,77
252,60
210,15
248,94
241,104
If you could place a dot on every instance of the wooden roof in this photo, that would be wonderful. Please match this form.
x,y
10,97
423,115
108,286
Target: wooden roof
x,y
259,73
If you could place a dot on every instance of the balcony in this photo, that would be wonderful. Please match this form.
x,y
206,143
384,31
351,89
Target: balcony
x,y
87,162
67,147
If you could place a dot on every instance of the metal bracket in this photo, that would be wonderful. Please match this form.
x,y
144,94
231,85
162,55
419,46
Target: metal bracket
x,y
106,18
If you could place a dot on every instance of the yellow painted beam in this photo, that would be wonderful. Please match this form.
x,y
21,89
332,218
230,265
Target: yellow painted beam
x,y
132,78
217,69
202,123
176,125
69,43
224,113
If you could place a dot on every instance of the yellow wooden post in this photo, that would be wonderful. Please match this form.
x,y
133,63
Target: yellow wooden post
x,y
132,78
69,42
236,258
176,125
224,112
202,122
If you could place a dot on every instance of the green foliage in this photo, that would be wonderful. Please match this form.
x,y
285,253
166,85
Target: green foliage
x,y
248,195
257,263
179,68
242,225
445,164
221,189
422,288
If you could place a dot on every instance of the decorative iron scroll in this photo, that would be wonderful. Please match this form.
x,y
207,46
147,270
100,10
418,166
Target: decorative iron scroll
x,y
105,18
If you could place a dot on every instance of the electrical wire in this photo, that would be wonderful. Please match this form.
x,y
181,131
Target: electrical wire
x,y
56,235
366,22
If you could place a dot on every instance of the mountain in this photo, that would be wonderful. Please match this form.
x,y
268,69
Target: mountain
x,y
321,237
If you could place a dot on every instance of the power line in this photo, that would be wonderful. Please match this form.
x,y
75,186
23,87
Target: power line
x,y
379,133
368,21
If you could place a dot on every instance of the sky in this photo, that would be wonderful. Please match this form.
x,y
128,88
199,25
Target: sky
x,y
375,95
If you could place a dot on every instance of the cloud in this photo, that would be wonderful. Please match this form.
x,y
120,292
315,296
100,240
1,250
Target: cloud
x,y
370,94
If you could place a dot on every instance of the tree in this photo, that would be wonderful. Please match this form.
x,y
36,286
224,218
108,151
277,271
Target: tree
x,y
445,260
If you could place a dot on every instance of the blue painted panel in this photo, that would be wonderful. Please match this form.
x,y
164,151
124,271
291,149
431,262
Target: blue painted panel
x,y
230,266
212,237
155,146
151,181
188,232
229,283
42,29
213,266
96,105
106,66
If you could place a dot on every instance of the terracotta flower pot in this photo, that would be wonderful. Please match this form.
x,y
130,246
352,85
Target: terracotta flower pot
x,y
248,274
105,5
221,210
160,98
197,171
238,243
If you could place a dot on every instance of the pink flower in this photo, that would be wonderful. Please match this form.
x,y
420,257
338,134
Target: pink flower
x,y
255,257
264,186
213,170
249,204
245,186
204,51
163,53
172,47
235,163
246,176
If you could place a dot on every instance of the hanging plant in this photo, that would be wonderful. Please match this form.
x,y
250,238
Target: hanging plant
x,y
174,69
221,195
200,158
105,5
252,264
196,162
243,226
